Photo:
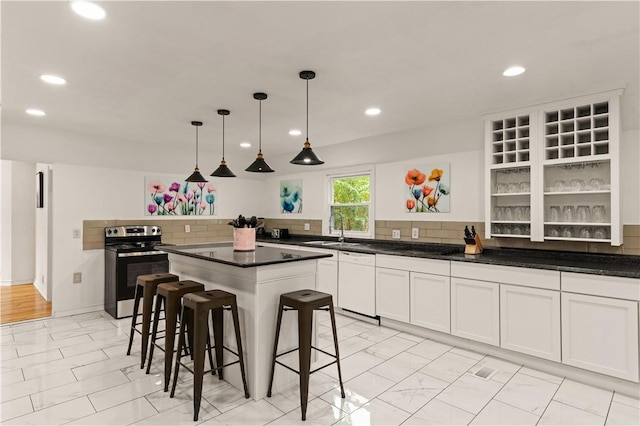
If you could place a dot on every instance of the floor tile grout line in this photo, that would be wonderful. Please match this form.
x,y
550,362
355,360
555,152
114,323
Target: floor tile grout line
x,y
609,408
550,401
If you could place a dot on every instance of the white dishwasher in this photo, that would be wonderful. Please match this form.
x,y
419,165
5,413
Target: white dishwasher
x,y
357,282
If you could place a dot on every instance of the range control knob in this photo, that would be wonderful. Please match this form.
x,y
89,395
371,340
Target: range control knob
x,y
109,232
115,231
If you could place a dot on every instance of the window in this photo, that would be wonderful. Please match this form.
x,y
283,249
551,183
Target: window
x,y
350,205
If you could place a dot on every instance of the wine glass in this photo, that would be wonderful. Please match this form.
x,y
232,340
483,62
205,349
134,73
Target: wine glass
x,y
583,214
600,233
567,214
585,232
554,213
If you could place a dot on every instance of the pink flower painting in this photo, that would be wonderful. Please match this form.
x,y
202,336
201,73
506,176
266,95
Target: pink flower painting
x,y
174,197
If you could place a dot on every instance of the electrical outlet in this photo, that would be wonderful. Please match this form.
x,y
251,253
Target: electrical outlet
x,y
76,233
415,233
187,228
307,227
395,234
77,277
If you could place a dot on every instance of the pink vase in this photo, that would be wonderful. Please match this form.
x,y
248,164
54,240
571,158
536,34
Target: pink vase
x,y
244,239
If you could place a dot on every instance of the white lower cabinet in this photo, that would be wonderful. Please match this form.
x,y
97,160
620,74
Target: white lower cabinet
x,y
392,294
430,301
327,278
475,310
600,334
530,321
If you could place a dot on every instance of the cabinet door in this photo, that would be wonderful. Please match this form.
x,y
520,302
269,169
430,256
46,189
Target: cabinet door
x,y
392,294
530,321
327,279
600,334
475,310
430,301
357,288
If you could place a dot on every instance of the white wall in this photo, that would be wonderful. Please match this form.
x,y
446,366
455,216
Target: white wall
x,y
42,276
18,216
90,193
6,188
630,176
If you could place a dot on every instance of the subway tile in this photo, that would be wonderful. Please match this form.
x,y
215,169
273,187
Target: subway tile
x,y
631,230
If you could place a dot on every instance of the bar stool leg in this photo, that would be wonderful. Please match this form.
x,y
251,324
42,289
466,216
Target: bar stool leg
x,y
170,315
335,344
154,332
305,323
134,317
218,340
178,356
275,346
201,328
147,305
236,326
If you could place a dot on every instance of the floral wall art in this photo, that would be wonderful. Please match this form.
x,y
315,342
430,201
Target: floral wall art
x,y
174,197
427,189
291,196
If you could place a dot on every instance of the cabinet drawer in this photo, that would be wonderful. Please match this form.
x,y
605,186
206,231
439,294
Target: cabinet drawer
x,y
600,285
413,264
539,278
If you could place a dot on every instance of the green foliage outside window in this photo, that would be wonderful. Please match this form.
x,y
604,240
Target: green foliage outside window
x,y
351,196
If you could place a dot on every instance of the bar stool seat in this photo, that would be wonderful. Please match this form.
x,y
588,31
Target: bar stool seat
x,y
169,295
305,302
146,286
200,304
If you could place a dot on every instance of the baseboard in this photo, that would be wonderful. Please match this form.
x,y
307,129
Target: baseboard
x,y
18,282
69,312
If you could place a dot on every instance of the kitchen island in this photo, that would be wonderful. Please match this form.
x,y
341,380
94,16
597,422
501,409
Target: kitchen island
x,y
257,278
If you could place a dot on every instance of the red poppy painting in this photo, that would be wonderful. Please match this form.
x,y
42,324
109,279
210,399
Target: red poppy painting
x,y
428,189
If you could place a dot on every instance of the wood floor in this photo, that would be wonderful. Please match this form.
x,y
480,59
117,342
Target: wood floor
x,y
22,302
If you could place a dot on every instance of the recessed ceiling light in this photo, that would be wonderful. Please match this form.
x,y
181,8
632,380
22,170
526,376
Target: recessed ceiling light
x,y
53,79
36,112
372,111
88,10
245,144
295,132
511,71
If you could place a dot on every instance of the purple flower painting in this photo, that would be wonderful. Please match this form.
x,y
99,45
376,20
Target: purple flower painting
x,y
174,197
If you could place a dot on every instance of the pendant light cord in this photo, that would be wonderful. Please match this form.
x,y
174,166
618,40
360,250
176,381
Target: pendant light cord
x,y
260,127
196,147
223,137
307,109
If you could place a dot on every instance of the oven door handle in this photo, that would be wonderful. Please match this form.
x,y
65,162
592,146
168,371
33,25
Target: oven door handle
x,y
141,253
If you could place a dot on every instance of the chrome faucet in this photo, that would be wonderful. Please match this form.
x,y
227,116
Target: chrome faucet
x,y
341,238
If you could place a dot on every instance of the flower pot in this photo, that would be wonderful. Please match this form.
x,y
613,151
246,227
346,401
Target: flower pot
x,y
244,239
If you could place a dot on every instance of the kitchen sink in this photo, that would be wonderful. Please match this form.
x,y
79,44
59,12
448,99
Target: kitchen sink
x,y
331,243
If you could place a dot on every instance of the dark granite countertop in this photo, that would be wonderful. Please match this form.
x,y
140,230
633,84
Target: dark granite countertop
x,y
224,253
587,263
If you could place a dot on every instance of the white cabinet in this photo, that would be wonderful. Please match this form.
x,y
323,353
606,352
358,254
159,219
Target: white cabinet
x,y
530,321
327,278
392,294
430,301
553,173
475,310
357,282
600,334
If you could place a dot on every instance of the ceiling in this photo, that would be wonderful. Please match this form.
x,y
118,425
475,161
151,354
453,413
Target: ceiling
x,y
142,74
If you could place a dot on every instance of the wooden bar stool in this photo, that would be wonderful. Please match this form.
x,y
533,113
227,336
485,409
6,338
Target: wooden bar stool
x,y
305,302
170,294
200,304
146,289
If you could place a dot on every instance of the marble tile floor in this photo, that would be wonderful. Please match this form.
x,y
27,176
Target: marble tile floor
x,y
74,370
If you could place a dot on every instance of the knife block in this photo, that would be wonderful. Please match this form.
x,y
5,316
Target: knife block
x,y
473,246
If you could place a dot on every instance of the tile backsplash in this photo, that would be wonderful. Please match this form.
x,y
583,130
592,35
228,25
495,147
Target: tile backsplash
x,y
205,230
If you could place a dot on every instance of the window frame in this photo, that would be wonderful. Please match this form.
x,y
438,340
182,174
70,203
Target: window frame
x,y
327,228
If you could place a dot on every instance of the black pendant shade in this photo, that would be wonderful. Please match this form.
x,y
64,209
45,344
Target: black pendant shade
x,y
223,170
196,176
260,166
307,157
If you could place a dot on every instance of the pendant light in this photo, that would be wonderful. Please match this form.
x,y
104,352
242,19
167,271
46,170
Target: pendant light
x,y
307,156
260,166
196,176
223,170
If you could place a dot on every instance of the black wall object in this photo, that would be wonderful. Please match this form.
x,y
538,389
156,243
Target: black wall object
x,y
39,190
